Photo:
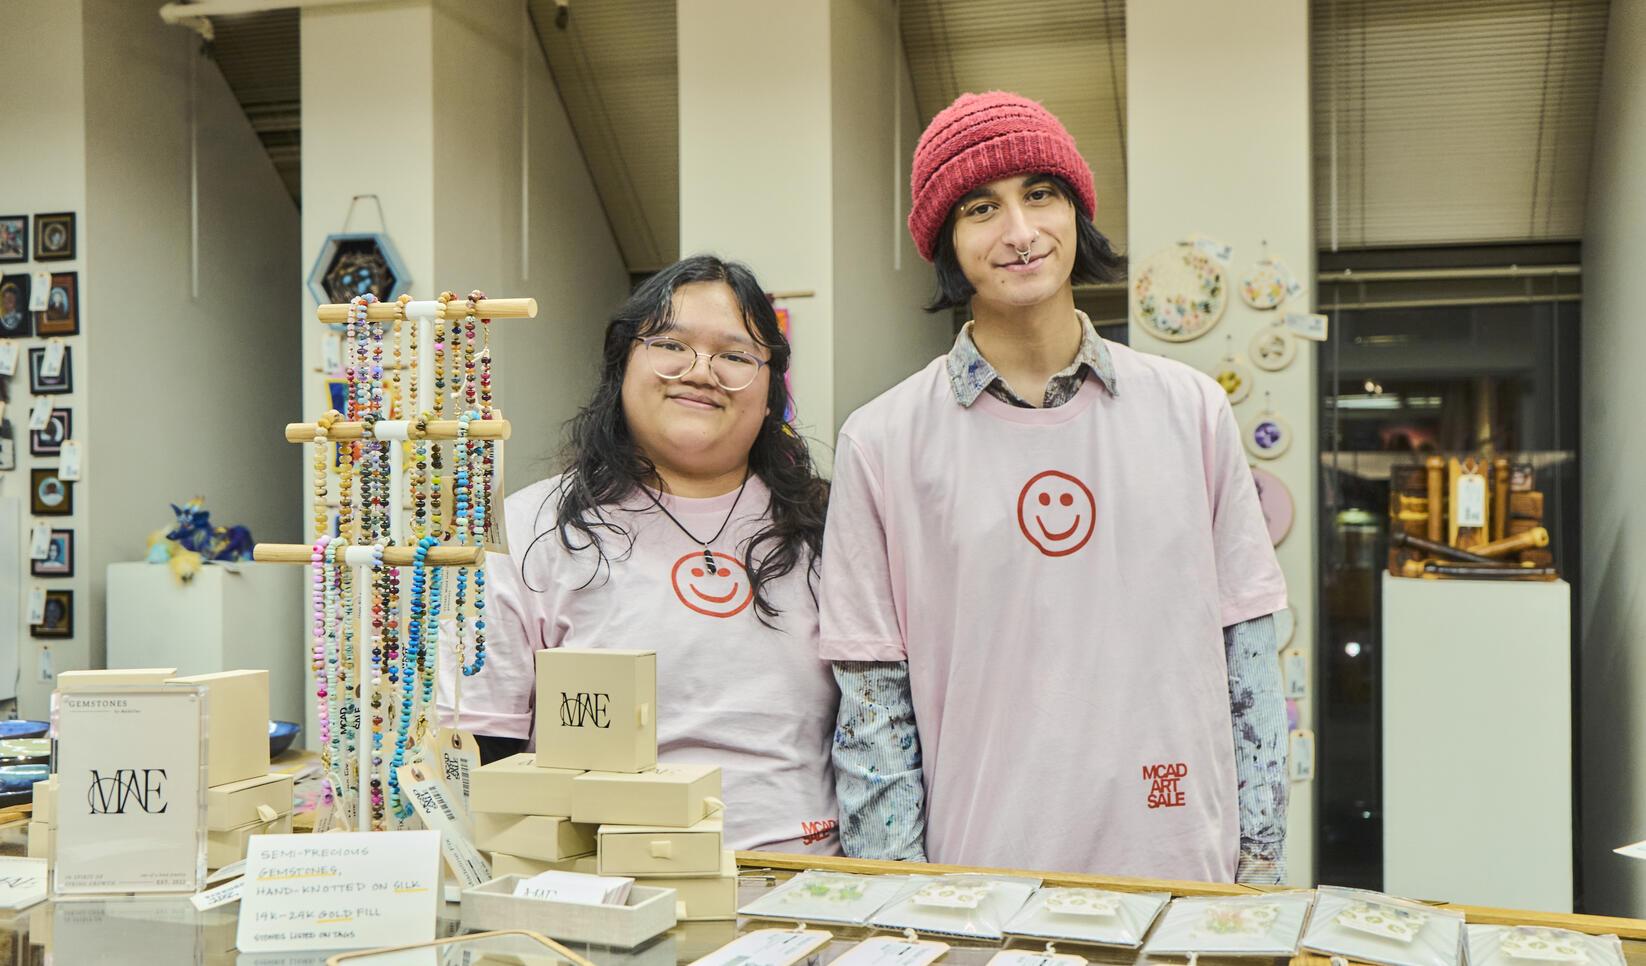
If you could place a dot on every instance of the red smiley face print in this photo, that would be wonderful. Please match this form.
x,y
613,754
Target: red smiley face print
x,y
1056,512
723,593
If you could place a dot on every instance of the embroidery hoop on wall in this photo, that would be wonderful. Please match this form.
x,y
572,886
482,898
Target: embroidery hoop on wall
x,y
1234,377
1276,501
1273,347
1179,293
1268,436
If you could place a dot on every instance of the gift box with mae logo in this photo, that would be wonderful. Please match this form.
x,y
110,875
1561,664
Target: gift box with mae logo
x,y
518,785
672,795
597,709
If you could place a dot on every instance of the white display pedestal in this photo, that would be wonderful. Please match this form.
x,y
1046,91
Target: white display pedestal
x,y
227,618
1477,742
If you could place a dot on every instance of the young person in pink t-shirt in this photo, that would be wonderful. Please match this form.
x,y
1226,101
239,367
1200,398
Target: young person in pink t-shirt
x,y
688,521
1047,583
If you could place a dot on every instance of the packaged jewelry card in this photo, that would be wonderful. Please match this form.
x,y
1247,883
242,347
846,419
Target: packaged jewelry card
x,y
833,897
1089,916
1375,928
968,906
1028,957
1258,925
1534,945
767,947
891,951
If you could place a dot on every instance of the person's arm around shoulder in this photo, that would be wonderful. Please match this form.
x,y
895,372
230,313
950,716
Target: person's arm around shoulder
x,y
878,779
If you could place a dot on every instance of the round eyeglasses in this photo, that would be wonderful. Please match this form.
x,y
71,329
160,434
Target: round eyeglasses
x,y
732,369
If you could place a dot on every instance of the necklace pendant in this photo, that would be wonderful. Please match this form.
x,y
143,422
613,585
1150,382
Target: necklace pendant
x,y
708,560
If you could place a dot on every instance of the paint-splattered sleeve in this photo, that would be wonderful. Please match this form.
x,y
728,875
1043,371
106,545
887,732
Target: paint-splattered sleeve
x,y
1258,707
877,772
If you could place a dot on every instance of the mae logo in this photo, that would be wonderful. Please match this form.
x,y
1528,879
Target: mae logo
x,y
1166,784
585,709
127,791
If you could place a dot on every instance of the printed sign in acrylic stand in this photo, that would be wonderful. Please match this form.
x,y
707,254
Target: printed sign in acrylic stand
x,y
442,463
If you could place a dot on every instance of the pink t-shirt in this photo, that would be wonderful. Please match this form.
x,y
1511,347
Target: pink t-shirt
x,y
731,691
1058,580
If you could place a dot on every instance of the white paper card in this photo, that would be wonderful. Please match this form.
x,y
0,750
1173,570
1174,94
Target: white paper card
x,y
892,951
345,890
1385,921
1471,500
432,802
767,947
459,758
1021,957
37,604
1301,756
8,358
131,783
40,415
22,882
69,461
40,541
1215,249
51,363
40,294
1294,667
221,896
588,890
1311,326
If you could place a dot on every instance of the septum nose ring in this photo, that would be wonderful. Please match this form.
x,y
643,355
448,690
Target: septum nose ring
x,y
1024,253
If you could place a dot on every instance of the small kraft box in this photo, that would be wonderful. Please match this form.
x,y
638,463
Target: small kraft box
x,y
704,899
228,846
657,852
237,711
493,905
114,678
239,803
596,709
541,837
40,840
517,786
672,795
505,864
45,801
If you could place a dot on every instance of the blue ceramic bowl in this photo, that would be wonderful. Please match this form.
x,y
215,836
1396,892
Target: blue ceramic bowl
x,y
24,729
21,778
281,736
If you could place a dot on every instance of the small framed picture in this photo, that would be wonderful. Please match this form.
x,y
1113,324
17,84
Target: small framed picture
x,y
54,237
62,315
59,560
49,441
14,238
16,321
59,620
50,496
8,446
42,385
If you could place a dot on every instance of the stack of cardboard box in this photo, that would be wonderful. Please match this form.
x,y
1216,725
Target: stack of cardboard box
x,y
594,799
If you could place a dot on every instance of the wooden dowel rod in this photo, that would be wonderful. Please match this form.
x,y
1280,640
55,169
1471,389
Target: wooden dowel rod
x,y
335,313
438,429
298,553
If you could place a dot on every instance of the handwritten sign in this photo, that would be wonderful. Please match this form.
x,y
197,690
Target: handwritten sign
x,y
343,890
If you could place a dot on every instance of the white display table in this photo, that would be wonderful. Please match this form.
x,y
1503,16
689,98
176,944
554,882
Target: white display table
x,y
229,617
1477,742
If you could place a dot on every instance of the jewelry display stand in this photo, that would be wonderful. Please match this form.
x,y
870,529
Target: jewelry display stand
x,y
356,557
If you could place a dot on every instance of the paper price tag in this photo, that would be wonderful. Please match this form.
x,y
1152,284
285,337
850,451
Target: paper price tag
x,y
40,541
767,947
1471,500
347,890
1215,249
1294,667
40,415
1307,326
51,362
40,293
221,896
37,604
8,358
459,759
69,468
1020,957
1301,760
892,951
430,800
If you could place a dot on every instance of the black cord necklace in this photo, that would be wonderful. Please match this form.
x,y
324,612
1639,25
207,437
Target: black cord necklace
x,y
708,555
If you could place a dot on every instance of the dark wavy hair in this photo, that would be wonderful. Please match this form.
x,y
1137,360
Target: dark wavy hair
x,y
603,466
1095,260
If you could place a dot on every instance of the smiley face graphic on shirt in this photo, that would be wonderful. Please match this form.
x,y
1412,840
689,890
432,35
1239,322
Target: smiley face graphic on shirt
x,y
1056,513
724,592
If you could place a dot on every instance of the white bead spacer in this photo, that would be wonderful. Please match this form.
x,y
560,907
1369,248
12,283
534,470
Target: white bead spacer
x,y
423,311
391,429
359,556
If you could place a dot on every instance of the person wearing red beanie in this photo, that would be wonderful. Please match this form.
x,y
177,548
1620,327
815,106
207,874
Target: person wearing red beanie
x,y
1047,585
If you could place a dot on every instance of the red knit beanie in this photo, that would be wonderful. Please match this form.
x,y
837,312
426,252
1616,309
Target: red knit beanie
x,y
982,138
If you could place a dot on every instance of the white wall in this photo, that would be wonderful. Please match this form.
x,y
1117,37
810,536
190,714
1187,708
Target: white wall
x,y
1195,72
187,394
545,368
47,173
1613,648
880,332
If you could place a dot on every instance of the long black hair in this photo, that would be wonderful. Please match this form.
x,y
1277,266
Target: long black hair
x,y
603,467
1095,259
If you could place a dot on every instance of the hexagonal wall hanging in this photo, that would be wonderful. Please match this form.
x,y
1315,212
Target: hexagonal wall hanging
x,y
354,264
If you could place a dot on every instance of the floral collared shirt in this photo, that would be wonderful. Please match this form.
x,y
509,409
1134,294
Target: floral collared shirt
x,y
876,754
971,375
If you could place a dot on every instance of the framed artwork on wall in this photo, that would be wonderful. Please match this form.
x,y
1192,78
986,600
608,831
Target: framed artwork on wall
x,y
14,238
59,560
54,236
59,620
44,385
49,441
62,315
50,496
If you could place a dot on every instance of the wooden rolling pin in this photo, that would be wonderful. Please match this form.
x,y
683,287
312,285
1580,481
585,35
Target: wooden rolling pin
x,y
1482,572
1500,499
1403,539
1436,467
1534,539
